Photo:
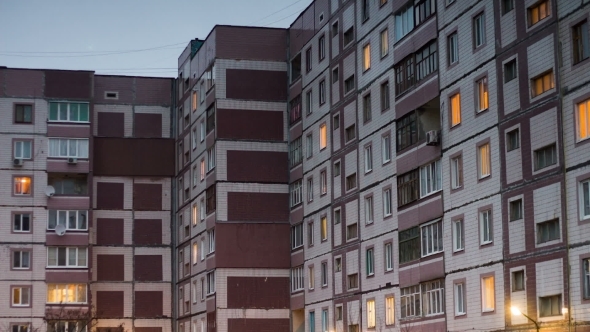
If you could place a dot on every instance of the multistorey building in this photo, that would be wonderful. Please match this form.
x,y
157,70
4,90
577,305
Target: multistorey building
x,y
86,167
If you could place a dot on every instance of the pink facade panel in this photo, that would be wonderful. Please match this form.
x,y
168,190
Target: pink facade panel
x,y
68,203
69,239
251,43
68,130
62,166
54,276
153,91
23,83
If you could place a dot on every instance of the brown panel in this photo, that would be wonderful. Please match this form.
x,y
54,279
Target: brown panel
x,y
257,166
148,303
153,91
249,206
109,231
121,84
111,124
148,329
110,267
258,292
147,196
147,231
23,82
68,84
251,43
254,245
64,277
133,156
247,84
109,304
109,196
148,268
249,124
147,125
258,325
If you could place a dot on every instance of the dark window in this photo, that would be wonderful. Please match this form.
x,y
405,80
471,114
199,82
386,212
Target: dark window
x,y
337,168
336,121
516,210
426,61
210,119
335,75
580,42
23,113
68,184
367,108
548,231
385,96
407,188
550,306
351,232
211,199
351,181
545,157
335,29
409,245
322,92
308,57
407,131
510,72
513,140
350,133
322,47
518,281
295,152
415,67
296,67
349,84
365,10
21,222
295,109
507,6
424,10
348,36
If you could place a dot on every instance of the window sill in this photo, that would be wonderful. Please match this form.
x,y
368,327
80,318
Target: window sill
x,y
478,112
431,254
486,244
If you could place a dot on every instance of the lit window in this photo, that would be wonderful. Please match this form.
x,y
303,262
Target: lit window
x,y
22,149
195,252
66,293
485,227
479,30
194,100
483,158
384,43
488,302
22,185
323,136
583,120
459,299
367,57
21,296
455,109
545,157
371,314
458,240
369,210
68,112
389,310
202,169
482,94
324,228
539,12
542,83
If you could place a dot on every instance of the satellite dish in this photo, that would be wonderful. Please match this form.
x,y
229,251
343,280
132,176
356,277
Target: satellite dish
x,y
60,229
49,191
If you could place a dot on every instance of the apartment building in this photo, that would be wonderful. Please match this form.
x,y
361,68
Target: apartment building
x,y
85,240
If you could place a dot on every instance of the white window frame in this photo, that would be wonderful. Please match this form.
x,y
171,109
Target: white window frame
x,y
386,149
211,283
24,264
211,235
21,217
453,47
368,159
202,209
297,236
66,219
387,202
325,320
297,279
22,146
311,277
479,30
484,168
432,233
405,17
456,170
583,108
296,193
210,159
65,289
56,143
388,254
584,194
389,310
433,297
459,299
371,314
67,111
309,102
310,190
384,39
370,261
586,278
485,227
22,301
323,182
80,257
324,274
482,94
484,298
369,210
430,178
458,235
410,295
202,128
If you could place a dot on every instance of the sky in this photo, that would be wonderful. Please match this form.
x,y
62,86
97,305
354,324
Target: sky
x,y
123,37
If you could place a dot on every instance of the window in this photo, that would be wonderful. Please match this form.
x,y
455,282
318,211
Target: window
x,y
510,71
22,185
68,184
515,208
387,202
311,321
455,104
202,289
388,250
479,30
22,327
67,257
296,236
365,10
297,279
407,188
194,138
324,274
432,238
513,139
371,314
404,22
338,264
385,96
370,262
73,220
337,168
21,296
583,120
434,292
295,152
336,217
482,94
348,36
23,113
426,61
323,136
542,83
585,199
194,101
22,149
485,227
324,228
459,299
458,240
483,158
548,231
351,182
210,196
310,231
211,235
323,183
68,148
202,169
353,281
295,109
68,112
586,276
309,146
308,59
545,157
550,306
369,210
384,41
366,56
367,108
202,130
349,84
335,29
409,245
430,178
507,6
488,302
322,47
210,282
457,172
322,92
21,223
580,41
453,48
351,232
308,102
202,249
368,159
538,12
310,189
295,67
335,77
410,301
311,277
210,159
195,253
350,133
21,260
389,310
518,281
386,149
66,293
210,119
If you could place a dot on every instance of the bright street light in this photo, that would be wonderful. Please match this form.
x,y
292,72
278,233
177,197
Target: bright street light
x,y
516,312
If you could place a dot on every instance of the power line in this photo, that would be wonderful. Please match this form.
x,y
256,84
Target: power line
x,y
278,11
100,53
284,18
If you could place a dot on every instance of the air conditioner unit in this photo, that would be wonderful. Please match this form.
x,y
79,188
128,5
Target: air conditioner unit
x,y
18,162
72,161
432,137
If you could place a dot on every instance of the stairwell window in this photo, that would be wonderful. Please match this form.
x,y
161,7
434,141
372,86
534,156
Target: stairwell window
x,y
515,209
349,84
550,306
351,182
366,57
350,133
583,120
323,136
548,231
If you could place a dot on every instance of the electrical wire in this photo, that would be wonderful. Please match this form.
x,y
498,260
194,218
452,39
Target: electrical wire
x,y
278,11
100,53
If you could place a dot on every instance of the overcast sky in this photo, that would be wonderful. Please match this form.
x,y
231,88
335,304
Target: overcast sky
x,y
143,37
